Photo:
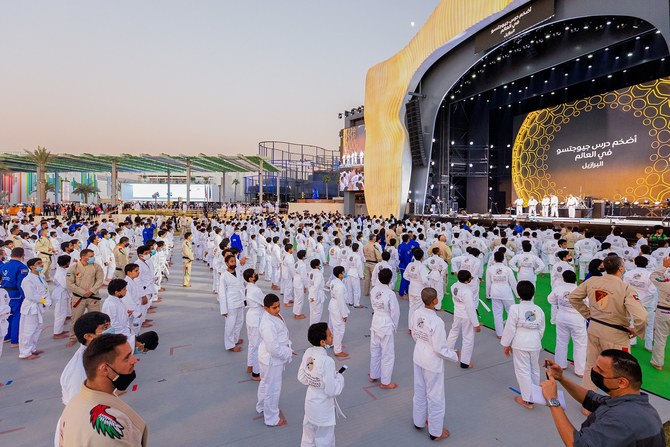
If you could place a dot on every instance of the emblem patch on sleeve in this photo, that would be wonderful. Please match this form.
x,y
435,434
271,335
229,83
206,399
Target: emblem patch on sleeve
x,y
104,423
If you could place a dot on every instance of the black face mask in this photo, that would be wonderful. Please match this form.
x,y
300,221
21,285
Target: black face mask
x,y
599,381
122,381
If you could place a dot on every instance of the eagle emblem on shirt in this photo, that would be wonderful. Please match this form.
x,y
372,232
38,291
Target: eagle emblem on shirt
x,y
104,423
310,364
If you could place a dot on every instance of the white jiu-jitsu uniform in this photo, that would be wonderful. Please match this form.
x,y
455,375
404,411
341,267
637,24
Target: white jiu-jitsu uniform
x,y
501,289
354,270
317,371
385,317
60,298
528,265
300,282
378,268
287,267
569,324
274,352
254,297
523,332
648,296
465,320
337,312
438,270
119,318
417,275
36,293
5,310
316,295
430,351
231,304
133,302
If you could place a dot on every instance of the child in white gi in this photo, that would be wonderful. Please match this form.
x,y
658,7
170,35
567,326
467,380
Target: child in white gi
x,y
36,293
338,310
646,293
429,352
231,303
500,288
300,282
316,291
274,352
60,297
354,275
465,317
5,310
569,324
385,316
438,270
287,274
383,264
324,383
522,337
254,298
527,264
417,275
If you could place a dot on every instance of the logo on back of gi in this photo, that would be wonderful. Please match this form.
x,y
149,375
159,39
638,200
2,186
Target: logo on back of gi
x,y
104,423
530,316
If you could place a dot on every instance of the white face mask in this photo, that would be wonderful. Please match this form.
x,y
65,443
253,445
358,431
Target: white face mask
x,y
146,256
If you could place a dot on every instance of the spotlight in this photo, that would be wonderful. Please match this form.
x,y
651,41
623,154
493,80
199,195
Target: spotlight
x,y
609,22
490,188
647,47
616,58
630,54
470,165
451,187
353,111
471,143
636,203
452,165
432,163
506,166
609,76
590,56
433,140
346,113
339,115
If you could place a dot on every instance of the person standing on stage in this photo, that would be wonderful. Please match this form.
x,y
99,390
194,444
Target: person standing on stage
x,y
532,207
545,206
519,206
572,206
554,205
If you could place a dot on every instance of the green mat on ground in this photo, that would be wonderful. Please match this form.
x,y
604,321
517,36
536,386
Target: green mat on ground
x,y
654,381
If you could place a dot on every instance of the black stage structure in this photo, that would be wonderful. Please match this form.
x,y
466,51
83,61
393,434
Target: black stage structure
x,y
464,107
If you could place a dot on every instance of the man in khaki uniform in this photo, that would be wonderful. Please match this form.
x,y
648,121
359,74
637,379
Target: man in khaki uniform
x,y
121,257
372,257
391,234
95,416
445,251
83,280
44,250
661,280
18,242
187,258
612,306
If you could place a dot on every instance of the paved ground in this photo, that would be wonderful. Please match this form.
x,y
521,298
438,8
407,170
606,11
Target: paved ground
x,y
193,393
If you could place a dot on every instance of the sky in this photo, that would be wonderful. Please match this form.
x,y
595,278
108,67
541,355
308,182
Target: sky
x,y
180,77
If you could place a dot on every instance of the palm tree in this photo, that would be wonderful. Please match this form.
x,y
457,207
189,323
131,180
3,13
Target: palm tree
x,y
326,180
41,157
84,189
235,182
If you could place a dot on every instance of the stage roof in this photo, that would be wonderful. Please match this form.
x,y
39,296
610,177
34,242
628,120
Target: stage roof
x,y
20,162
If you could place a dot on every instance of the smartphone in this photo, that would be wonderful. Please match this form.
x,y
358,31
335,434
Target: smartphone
x,y
546,365
343,369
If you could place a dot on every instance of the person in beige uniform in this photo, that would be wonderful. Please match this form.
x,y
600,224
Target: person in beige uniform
x,y
121,257
95,416
372,257
83,280
45,250
661,280
445,251
187,257
612,306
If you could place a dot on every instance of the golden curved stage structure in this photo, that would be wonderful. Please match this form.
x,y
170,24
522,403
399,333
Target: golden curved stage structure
x,y
388,160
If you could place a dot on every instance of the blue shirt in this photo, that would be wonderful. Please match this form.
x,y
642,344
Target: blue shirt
x,y
236,242
404,254
148,233
13,273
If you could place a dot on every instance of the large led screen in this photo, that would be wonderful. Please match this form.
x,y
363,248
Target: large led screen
x,y
352,159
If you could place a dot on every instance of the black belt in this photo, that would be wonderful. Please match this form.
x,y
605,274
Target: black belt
x,y
10,289
613,326
119,269
372,262
663,307
48,254
87,297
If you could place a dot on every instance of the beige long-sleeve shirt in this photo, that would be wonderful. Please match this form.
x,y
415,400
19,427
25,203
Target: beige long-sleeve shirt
x,y
80,278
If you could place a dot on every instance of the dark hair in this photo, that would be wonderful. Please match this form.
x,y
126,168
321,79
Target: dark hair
x,y
594,267
88,323
338,270
569,277
562,254
386,256
130,267
64,260
475,252
612,263
150,340
625,365
17,252
228,258
499,256
288,247
641,261
317,332
270,299
418,253
142,249
33,261
385,276
116,285
301,254
248,274
526,290
102,349
428,295
464,275
314,263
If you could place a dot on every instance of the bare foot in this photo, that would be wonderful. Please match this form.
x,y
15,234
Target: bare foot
x,y
288,304
390,386
59,336
299,317
372,380
38,352
250,369
145,324
341,354
281,422
30,357
660,368
239,342
70,344
235,349
187,286
445,434
523,403
14,345
256,378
